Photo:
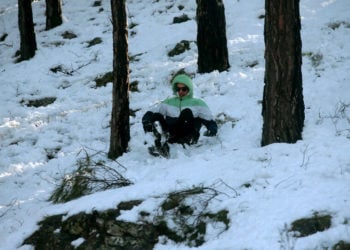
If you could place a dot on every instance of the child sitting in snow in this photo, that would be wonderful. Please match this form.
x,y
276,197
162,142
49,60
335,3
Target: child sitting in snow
x,y
180,117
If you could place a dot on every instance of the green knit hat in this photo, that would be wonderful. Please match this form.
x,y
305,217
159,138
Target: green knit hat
x,y
184,79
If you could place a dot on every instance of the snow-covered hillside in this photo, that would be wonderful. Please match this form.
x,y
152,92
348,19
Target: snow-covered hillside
x,y
266,189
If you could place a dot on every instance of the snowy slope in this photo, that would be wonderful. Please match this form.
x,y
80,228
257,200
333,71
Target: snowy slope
x,y
286,181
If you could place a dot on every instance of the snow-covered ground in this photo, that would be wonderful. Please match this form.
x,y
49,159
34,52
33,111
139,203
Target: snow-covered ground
x,y
286,181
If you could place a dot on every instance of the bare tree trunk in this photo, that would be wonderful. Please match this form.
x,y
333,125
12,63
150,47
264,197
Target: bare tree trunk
x,y
211,36
120,128
283,103
26,29
53,13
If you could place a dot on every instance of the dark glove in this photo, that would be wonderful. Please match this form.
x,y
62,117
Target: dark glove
x,y
148,127
209,133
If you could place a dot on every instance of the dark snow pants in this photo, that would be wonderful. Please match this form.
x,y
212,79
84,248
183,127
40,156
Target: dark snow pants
x,y
184,129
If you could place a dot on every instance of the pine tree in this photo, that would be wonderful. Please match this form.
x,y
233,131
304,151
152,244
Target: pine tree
x,y
120,127
211,36
53,13
26,29
283,103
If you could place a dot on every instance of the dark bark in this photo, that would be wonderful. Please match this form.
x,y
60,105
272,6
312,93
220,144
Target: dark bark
x,y
211,36
26,29
120,128
283,103
53,13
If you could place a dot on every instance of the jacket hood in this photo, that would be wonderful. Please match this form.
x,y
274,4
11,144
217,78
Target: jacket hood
x,y
184,79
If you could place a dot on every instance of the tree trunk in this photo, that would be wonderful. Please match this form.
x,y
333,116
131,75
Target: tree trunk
x,y
120,128
211,36
53,13
26,29
283,103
